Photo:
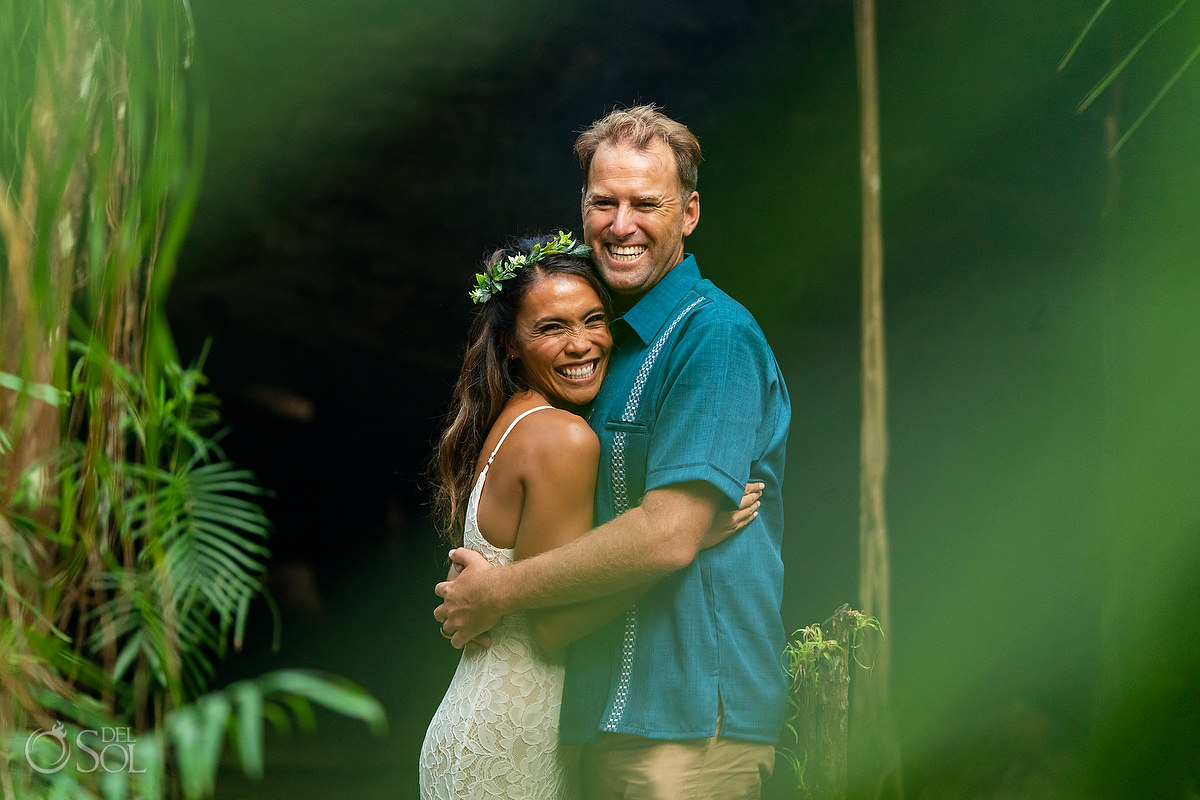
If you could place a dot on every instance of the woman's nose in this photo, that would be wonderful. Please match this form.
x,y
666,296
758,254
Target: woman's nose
x,y
578,340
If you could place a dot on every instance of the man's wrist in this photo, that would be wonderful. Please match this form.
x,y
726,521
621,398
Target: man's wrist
x,y
494,591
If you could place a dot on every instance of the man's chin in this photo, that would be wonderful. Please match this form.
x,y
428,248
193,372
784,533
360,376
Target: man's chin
x,y
620,276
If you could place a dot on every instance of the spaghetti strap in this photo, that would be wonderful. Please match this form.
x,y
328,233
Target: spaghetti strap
x,y
508,430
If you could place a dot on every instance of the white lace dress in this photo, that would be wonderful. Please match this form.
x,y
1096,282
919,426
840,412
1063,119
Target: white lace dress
x,y
495,735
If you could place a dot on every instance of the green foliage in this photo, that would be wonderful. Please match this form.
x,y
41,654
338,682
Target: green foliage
x,y
187,514
191,740
814,661
197,732
38,391
491,280
130,547
1105,82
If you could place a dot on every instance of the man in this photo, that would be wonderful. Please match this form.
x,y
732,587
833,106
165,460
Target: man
x,y
683,696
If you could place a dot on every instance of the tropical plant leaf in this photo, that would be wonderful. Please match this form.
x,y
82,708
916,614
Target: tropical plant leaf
x,y
1157,98
1082,35
330,691
39,391
198,731
248,700
1112,74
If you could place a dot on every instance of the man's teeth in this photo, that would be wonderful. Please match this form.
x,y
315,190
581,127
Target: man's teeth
x,y
626,252
578,372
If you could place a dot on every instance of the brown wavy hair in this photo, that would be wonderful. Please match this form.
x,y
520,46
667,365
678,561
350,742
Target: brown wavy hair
x,y
488,378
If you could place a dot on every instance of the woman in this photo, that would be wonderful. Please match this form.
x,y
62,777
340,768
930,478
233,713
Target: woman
x,y
538,348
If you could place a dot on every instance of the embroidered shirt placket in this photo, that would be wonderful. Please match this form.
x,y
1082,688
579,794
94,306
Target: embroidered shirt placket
x,y
621,505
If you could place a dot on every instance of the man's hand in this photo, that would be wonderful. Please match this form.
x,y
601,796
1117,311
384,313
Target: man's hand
x,y
466,611
725,525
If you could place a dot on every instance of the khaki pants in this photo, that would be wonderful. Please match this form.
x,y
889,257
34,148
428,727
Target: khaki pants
x,y
622,767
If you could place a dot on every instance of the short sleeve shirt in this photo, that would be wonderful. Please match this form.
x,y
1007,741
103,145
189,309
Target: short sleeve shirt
x,y
693,393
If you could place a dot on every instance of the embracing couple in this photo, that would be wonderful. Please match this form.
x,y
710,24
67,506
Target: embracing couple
x,y
614,425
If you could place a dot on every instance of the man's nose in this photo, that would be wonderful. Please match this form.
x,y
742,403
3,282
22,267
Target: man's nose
x,y
624,223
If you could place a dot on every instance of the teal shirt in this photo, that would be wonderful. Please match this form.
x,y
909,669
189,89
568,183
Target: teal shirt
x,y
693,393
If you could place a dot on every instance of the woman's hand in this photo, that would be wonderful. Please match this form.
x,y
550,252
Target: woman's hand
x,y
728,523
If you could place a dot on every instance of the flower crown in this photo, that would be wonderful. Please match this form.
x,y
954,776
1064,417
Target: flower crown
x,y
491,281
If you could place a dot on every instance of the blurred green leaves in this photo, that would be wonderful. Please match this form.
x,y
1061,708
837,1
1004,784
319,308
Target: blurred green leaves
x,y
1105,82
130,547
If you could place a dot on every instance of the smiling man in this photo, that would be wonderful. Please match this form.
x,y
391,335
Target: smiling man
x,y
635,214
683,696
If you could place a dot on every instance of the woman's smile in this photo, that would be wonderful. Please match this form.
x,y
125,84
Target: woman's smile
x,y
561,341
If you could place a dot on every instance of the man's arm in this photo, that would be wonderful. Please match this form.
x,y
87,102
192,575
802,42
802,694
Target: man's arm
x,y
658,537
557,626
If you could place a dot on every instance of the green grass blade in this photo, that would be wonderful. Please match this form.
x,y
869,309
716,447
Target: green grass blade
x,y
1083,34
1107,80
1157,98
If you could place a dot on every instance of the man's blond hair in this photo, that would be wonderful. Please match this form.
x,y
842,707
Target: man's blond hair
x,y
638,127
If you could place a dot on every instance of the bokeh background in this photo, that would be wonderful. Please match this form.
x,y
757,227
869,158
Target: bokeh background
x,y
1042,336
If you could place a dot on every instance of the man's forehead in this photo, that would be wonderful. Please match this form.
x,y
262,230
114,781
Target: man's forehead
x,y
648,166
654,150
593,190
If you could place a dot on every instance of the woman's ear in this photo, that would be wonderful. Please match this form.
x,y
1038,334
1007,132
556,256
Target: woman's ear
x,y
511,351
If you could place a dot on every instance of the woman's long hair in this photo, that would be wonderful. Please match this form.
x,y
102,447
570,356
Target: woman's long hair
x,y
488,378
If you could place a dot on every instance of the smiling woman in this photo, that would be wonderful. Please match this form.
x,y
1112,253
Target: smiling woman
x,y
542,309
539,346
562,341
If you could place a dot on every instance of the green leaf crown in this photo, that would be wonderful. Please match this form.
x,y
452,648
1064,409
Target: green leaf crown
x,y
491,281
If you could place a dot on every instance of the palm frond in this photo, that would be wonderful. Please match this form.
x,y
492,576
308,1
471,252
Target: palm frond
x,y
1119,68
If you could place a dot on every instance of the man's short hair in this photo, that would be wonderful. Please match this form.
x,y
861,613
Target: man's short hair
x,y
638,127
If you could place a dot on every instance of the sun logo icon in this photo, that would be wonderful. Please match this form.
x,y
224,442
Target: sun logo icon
x,y
59,734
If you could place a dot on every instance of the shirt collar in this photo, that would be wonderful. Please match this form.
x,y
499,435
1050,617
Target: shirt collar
x,y
650,314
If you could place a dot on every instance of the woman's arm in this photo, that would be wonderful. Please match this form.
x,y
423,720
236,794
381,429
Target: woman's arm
x,y
559,485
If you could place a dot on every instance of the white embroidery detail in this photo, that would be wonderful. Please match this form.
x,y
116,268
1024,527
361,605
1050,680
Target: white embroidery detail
x,y
621,505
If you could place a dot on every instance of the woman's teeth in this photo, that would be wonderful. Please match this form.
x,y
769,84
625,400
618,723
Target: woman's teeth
x,y
578,372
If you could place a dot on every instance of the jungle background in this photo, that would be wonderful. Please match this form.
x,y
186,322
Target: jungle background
x,y
1041,304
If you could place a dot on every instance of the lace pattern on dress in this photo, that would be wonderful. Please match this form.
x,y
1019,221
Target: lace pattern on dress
x,y
495,734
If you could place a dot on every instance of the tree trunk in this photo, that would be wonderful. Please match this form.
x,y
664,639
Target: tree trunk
x,y
822,729
876,747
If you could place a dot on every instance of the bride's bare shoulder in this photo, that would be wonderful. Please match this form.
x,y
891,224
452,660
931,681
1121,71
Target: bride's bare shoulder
x,y
558,433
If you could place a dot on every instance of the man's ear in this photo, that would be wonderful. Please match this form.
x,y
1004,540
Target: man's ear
x,y
691,213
